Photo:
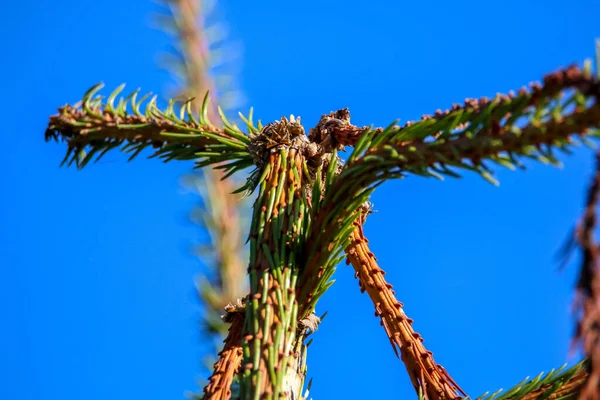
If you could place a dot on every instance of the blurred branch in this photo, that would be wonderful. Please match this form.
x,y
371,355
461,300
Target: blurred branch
x,y
219,212
587,300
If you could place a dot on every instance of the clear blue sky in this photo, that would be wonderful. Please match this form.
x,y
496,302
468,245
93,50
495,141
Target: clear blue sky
x,y
97,294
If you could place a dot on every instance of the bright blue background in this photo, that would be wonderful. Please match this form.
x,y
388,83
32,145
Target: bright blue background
x,y
97,296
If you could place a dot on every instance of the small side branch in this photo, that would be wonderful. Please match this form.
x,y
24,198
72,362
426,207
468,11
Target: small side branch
x,y
509,128
230,358
424,373
501,146
532,124
552,390
93,127
503,110
557,384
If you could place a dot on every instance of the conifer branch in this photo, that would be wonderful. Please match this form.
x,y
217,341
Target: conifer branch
x,y
424,372
394,151
203,53
222,252
230,358
462,138
495,116
558,384
219,213
431,147
485,130
429,378
188,22
92,127
308,211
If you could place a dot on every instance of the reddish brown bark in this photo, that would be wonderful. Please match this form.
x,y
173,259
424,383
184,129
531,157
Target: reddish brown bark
x,y
228,365
553,83
422,369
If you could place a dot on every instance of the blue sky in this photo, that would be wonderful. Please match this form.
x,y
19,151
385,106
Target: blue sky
x,y
97,292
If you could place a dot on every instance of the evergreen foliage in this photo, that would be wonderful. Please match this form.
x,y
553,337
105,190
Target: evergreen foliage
x,y
310,207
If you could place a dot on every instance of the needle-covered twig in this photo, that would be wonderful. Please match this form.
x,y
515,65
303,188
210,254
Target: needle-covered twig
x,y
560,384
95,126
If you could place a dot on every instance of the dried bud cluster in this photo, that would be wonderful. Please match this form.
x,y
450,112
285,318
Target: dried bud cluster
x,y
328,126
234,309
276,136
289,133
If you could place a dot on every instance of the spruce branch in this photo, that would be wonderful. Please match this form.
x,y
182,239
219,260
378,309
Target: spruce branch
x,y
471,133
219,215
429,378
558,384
220,210
204,52
230,358
461,138
187,19
425,374
498,114
200,41
465,137
93,127
309,211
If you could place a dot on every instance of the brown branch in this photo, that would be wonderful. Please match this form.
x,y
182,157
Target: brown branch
x,y
569,78
399,151
230,359
587,301
487,143
420,365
